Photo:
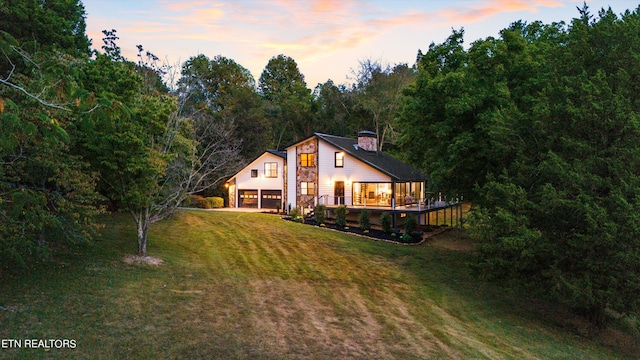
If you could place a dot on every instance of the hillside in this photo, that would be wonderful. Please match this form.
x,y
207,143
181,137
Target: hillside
x,y
240,285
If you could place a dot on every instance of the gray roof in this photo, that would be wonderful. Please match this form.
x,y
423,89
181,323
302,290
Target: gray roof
x,y
396,169
282,154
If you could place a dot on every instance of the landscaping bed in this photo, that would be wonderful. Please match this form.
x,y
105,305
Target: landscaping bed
x,y
377,234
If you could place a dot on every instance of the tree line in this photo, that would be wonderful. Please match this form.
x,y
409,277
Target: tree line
x,y
538,127
86,131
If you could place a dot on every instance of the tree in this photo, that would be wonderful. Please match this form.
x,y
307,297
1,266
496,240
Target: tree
x,y
227,91
150,156
544,121
47,196
378,91
288,100
46,25
335,110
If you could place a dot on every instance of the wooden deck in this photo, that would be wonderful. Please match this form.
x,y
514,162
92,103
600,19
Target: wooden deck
x,y
437,213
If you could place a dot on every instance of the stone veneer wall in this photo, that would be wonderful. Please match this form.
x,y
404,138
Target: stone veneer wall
x,y
306,174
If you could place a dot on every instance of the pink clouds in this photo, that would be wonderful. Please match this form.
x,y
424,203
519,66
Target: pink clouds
x,y
311,31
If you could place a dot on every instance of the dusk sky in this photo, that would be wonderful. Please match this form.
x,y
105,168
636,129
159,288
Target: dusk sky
x,y
326,38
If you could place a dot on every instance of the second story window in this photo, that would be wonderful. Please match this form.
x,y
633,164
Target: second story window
x,y
339,161
271,170
254,173
307,160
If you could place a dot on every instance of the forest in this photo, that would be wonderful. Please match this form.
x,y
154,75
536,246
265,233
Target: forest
x,y
539,128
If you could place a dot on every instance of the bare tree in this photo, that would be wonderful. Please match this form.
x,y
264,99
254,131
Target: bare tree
x,y
378,91
201,151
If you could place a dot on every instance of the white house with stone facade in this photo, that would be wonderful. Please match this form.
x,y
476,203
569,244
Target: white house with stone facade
x,y
329,170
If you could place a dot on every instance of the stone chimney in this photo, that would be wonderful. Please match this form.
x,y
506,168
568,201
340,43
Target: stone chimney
x,y
367,141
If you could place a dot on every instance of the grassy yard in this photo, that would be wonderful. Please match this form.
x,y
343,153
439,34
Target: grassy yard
x,y
241,285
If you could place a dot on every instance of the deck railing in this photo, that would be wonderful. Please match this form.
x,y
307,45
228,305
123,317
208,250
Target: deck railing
x,y
419,205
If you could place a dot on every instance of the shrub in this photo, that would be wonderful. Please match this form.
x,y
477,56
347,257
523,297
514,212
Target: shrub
x,y
406,238
363,218
215,202
320,212
341,215
198,201
295,215
386,222
410,224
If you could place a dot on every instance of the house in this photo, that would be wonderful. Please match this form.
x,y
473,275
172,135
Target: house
x,y
329,170
261,184
333,170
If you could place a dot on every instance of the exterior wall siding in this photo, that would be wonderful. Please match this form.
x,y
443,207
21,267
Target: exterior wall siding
x,y
243,179
291,178
352,171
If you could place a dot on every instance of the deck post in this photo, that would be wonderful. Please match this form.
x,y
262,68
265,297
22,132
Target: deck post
x,y
451,215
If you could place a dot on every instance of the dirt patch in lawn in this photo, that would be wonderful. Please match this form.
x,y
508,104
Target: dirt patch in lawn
x,y
145,260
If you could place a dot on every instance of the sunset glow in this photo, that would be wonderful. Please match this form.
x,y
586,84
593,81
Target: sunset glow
x,y
327,38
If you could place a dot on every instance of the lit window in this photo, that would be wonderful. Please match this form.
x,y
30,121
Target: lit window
x,y
254,173
339,159
271,170
307,188
307,160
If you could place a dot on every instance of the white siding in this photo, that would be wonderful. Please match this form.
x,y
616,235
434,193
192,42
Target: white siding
x,y
291,178
354,170
244,181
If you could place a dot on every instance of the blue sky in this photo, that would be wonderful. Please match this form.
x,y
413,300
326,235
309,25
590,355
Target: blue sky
x,y
326,38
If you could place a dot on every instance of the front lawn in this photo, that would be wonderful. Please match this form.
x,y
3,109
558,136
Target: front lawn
x,y
247,285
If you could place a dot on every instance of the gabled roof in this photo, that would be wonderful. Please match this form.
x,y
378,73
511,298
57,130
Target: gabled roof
x,y
387,164
281,154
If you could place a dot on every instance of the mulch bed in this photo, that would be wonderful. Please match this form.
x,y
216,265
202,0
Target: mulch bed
x,y
376,234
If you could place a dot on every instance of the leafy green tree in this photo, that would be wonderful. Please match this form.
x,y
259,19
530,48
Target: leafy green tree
x,y
46,25
338,111
150,156
289,101
378,91
47,193
226,91
541,127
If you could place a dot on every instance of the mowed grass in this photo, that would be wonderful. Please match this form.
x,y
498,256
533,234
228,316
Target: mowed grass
x,y
252,286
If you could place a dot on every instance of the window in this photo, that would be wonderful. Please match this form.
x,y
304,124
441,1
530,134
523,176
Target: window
x,y
307,160
254,173
271,170
307,188
376,194
339,159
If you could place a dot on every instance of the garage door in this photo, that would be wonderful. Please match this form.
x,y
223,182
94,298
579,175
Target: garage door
x,y
248,198
271,199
